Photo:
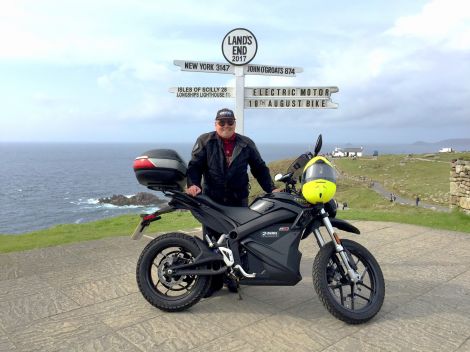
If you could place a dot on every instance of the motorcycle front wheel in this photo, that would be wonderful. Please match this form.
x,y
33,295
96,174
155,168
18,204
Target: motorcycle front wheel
x,y
170,293
353,303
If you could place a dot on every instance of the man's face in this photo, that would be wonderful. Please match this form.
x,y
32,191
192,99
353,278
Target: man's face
x,y
225,128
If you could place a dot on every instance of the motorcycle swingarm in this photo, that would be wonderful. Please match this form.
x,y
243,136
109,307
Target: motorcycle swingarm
x,y
205,256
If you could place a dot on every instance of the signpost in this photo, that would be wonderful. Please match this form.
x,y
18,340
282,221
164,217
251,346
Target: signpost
x,y
239,48
203,92
296,92
268,70
290,103
199,66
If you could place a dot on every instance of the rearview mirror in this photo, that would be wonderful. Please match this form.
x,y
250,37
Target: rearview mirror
x,y
277,177
318,145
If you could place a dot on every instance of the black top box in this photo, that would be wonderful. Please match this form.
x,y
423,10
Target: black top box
x,y
161,170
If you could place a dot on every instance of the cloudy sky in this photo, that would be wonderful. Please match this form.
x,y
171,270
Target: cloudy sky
x,y
100,70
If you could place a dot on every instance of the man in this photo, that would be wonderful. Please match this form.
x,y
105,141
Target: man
x,y
222,158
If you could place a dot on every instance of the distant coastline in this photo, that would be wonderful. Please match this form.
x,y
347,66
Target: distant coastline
x,y
272,151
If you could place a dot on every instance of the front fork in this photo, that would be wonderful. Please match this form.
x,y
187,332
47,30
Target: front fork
x,y
352,272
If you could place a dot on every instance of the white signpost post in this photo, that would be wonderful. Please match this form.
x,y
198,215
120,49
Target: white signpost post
x,y
239,48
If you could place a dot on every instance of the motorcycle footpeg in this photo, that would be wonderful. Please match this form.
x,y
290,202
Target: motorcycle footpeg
x,y
244,273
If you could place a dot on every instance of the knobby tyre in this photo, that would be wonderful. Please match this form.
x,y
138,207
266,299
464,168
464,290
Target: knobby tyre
x,y
353,304
170,293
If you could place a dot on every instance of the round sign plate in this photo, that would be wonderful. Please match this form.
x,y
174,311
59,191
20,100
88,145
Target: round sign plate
x,y
239,46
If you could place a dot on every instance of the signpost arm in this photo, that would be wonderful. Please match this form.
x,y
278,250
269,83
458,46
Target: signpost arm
x,y
239,98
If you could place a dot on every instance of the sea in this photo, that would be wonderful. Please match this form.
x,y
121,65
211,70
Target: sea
x,y
45,184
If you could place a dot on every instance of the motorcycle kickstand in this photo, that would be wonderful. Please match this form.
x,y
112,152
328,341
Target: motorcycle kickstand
x,y
235,277
240,298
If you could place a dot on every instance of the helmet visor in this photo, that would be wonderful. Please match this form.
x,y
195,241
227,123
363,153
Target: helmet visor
x,y
320,170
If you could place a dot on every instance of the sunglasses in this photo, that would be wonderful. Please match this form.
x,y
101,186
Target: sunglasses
x,y
222,123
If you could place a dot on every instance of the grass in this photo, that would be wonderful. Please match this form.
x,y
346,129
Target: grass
x,y
406,175
275,167
454,221
403,174
365,204
117,226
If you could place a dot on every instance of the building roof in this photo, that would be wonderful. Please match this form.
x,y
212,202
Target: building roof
x,y
349,150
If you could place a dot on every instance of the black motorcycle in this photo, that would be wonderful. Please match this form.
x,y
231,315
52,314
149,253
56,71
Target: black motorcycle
x,y
258,245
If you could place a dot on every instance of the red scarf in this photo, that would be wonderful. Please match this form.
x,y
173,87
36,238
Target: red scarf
x,y
229,146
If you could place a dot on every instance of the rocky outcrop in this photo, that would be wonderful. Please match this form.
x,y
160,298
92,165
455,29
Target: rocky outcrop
x,y
460,185
142,198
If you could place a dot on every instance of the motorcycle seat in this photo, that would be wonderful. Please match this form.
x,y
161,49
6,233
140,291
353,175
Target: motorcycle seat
x,y
241,215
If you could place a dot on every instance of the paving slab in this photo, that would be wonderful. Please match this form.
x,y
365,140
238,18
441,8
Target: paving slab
x,y
107,343
84,297
235,315
14,313
283,333
226,343
96,291
5,343
465,347
172,332
51,334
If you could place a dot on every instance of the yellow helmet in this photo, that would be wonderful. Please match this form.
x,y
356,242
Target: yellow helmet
x,y
318,181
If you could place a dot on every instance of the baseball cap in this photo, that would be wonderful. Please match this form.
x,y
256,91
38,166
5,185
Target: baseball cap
x,y
224,114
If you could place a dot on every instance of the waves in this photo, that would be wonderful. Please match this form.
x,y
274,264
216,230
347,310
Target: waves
x,y
94,203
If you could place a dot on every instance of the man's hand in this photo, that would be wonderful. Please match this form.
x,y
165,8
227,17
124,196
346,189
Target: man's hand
x,y
276,190
193,190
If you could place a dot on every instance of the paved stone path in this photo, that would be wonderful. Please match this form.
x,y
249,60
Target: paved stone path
x,y
83,297
405,201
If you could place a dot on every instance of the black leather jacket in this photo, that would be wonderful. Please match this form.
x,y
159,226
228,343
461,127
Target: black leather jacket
x,y
227,184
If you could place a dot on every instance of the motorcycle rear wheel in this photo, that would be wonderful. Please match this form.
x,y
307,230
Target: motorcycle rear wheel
x,y
170,293
349,302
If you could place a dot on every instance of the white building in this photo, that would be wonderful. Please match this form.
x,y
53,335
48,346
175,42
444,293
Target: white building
x,y
345,152
446,150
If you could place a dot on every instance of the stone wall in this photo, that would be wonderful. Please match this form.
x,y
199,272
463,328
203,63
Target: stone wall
x,y
460,185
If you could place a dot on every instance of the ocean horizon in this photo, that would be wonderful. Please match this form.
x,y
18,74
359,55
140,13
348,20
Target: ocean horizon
x,y
45,184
